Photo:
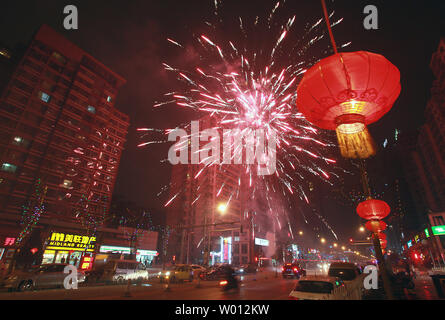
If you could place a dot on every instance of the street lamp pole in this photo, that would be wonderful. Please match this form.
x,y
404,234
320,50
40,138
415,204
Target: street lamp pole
x,y
376,239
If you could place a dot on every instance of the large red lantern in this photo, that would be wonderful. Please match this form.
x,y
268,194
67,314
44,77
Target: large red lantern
x,y
373,209
346,92
375,225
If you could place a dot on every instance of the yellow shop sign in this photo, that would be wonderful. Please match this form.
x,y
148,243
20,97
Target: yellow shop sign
x,y
74,242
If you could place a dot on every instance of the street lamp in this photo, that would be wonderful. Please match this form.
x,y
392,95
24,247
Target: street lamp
x,y
222,208
362,229
300,233
322,240
335,245
343,248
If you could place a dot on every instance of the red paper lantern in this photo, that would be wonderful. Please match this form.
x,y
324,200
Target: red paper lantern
x,y
375,225
373,209
346,92
381,236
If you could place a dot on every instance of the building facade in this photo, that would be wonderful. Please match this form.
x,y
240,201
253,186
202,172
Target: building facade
x,y
427,159
211,215
61,140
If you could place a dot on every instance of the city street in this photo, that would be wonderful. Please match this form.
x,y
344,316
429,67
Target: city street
x,y
297,146
262,286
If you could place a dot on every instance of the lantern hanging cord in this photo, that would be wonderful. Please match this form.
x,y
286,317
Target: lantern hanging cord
x,y
329,26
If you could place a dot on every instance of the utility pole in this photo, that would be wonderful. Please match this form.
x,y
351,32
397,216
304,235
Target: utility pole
x,y
375,238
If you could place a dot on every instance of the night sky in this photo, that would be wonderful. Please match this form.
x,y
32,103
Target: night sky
x,y
130,38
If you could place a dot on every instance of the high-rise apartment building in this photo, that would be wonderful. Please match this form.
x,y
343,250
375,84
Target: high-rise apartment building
x,y
213,210
429,156
61,137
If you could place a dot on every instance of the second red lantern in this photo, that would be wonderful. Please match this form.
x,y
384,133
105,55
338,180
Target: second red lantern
x,y
373,209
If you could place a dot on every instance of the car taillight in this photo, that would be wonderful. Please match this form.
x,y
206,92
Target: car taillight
x,y
295,269
223,283
293,298
282,268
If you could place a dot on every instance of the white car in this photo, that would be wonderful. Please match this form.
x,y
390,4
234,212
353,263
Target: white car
x,y
46,276
319,288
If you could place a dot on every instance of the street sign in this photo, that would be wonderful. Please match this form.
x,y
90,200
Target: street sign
x,y
438,230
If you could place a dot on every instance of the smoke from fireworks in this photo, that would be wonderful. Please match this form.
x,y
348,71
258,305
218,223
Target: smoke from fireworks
x,y
240,88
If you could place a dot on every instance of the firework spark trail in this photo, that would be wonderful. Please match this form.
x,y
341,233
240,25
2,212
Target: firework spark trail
x,y
241,97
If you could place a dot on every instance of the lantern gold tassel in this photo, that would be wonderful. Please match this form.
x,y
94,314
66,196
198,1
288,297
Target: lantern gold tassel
x,y
355,144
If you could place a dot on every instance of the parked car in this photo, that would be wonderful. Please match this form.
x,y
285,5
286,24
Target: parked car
x,y
118,271
46,276
177,273
292,270
351,276
319,288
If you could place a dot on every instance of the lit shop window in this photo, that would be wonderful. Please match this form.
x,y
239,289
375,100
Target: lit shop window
x,y
91,109
44,96
9,167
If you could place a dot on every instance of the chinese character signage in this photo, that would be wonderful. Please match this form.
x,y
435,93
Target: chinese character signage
x,y
438,230
9,242
71,242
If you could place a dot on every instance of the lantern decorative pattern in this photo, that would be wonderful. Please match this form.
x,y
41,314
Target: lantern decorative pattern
x,y
346,92
373,209
375,225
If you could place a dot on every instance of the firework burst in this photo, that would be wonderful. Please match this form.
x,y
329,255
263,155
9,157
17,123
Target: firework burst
x,y
244,89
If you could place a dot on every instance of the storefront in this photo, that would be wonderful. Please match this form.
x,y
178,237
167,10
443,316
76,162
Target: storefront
x,y
74,249
144,256
7,250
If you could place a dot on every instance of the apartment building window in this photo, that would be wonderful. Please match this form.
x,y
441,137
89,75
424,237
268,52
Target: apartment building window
x,y
244,248
7,167
91,109
19,141
438,221
44,96
68,184
59,57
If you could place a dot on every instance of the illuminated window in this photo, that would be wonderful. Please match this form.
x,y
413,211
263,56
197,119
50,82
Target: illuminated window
x,y
67,184
44,96
59,57
91,109
9,167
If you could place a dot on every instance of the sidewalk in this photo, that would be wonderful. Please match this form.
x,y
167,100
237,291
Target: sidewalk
x,y
424,287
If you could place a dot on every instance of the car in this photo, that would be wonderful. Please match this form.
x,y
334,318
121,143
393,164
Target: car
x,y
197,270
46,276
215,273
319,288
248,268
292,270
176,273
351,275
118,270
